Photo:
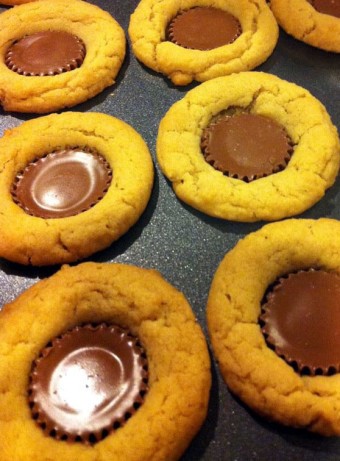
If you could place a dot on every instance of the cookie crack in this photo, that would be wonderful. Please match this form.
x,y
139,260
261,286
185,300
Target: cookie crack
x,y
63,245
87,133
153,20
12,347
259,92
325,393
310,29
127,203
254,19
4,165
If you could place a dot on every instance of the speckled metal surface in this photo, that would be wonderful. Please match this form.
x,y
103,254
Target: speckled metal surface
x,y
186,246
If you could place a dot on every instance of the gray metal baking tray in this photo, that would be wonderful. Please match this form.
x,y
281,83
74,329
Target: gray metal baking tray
x,y
186,246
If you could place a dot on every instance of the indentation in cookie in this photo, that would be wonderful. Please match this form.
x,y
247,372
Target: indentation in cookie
x,y
88,382
45,53
246,146
300,320
203,28
63,183
330,7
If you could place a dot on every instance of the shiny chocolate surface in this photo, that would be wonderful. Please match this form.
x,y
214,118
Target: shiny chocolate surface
x,y
87,381
62,184
246,146
204,28
186,246
45,53
301,320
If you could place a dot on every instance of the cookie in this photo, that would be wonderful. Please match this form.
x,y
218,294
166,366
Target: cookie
x,y
272,314
117,322
248,147
202,39
314,22
86,50
71,184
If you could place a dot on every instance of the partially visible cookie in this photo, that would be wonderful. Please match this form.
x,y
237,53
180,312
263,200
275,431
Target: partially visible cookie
x,y
273,318
86,48
202,39
315,22
101,361
71,184
249,147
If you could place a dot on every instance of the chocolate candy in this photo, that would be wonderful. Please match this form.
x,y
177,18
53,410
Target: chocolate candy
x,y
88,382
330,7
301,321
203,28
62,184
246,146
45,53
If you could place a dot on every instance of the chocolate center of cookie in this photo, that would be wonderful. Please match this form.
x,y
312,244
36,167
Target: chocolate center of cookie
x,y
203,28
61,184
246,146
89,380
301,320
45,53
330,7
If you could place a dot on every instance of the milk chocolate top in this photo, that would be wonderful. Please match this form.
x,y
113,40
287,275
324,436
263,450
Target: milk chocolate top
x,y
246,146
62,184
88,382
45,53
203,28
302,320
331,7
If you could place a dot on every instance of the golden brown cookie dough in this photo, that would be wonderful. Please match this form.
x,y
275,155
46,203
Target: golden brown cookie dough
x,y
32,240
252,370
311,170
147,31
151,309
301,20
104,40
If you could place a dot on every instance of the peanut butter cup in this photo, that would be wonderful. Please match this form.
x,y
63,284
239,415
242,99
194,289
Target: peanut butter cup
x,y
246,146
88,382
203,28
300,320
62,184
45,53
330,7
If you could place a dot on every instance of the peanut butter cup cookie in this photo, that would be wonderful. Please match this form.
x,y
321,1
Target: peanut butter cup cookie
x,y
249,147
202,39
71,184
315,22
273,317
57,54
119,372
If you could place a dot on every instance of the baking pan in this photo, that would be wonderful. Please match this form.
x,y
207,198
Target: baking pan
x,y
186,246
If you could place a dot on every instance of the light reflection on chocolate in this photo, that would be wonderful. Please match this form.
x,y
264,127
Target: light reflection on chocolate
x,y
88,382
62,184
